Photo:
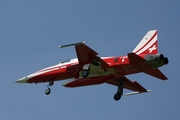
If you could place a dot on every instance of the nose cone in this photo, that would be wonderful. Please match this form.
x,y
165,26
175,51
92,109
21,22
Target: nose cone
x,y
22,80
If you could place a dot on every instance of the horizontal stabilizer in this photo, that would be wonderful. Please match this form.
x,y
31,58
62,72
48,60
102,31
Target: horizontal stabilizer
x,y
134,93
135,58
156,73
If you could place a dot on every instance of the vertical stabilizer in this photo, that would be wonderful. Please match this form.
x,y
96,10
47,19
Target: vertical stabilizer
x,y
148,45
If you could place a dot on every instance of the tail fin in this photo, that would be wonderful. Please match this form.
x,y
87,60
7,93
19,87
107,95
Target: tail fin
x,y
148,45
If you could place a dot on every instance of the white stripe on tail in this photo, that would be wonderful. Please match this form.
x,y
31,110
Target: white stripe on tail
x,y
148,45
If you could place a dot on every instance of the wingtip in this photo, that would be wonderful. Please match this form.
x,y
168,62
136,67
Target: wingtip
x,y
84,42
74,44
137,92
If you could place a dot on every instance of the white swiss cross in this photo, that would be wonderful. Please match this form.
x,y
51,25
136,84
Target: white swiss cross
x,y
153,48
123,60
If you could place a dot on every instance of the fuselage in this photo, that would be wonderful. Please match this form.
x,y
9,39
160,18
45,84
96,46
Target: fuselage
x,y
70,69
119,66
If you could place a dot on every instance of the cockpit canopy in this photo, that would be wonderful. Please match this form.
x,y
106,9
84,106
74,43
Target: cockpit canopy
x,y
70,60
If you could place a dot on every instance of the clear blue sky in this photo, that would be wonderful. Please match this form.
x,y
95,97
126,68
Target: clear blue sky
x,y
31,30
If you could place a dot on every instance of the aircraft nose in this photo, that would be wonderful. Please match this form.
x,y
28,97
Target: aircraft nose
x,y
22,80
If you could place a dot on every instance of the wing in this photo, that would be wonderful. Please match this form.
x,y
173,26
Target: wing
x,y
128,84
87,55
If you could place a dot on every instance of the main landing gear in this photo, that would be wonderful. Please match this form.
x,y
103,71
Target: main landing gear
x,y
48,90
119,93
85,71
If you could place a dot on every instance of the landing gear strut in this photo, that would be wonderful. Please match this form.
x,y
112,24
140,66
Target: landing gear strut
x,y
48,90
119,93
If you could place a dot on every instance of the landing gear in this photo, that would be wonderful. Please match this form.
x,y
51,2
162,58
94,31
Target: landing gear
x,y
117,96
119,93
85,73
48,90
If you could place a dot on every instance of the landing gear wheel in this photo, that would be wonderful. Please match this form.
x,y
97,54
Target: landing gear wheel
x,y
119,92
85,73
117,96
48,91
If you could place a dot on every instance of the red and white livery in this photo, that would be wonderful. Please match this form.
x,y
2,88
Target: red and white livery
x,y
90,69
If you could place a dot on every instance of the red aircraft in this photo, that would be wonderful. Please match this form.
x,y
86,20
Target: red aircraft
x,y
90,69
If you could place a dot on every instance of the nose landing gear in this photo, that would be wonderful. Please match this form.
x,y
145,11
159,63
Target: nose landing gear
x,y
48,90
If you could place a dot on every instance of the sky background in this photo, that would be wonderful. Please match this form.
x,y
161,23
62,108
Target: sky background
x,y
31,30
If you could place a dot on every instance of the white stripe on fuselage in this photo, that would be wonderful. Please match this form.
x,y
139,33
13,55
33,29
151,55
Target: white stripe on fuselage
x,y
56,67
